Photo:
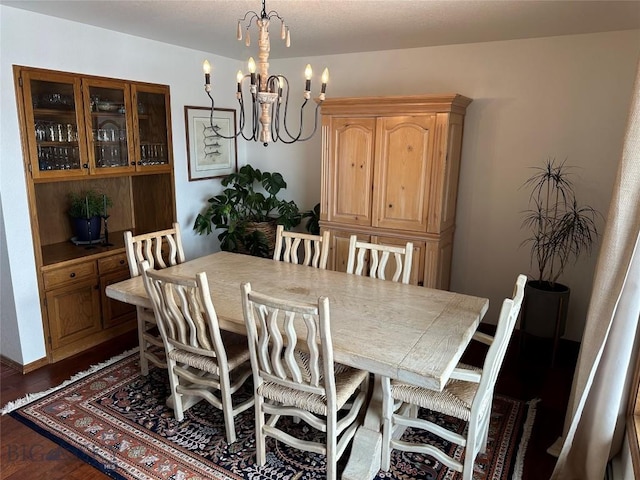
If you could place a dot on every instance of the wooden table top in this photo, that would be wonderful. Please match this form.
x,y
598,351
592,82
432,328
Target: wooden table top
x,y
402,331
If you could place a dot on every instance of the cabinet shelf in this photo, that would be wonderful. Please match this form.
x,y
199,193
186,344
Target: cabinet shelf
x,y
63,252
51,112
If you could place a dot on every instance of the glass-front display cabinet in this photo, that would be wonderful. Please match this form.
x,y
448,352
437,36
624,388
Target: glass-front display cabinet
x,y
79,125
109,128
54,114
150,115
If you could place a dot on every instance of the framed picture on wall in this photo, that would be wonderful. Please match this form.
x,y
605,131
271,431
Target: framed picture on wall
x,y
209,153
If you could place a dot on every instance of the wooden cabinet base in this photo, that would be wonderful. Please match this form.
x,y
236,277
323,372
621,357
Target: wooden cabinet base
x,y
89,341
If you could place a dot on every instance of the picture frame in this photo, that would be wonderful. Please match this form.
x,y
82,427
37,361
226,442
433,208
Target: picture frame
x,y
210,155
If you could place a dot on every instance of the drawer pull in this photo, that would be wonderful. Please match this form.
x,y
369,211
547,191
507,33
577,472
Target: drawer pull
x,y
121,262
72,274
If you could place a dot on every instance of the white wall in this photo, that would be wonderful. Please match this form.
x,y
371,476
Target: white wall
x,y
560,96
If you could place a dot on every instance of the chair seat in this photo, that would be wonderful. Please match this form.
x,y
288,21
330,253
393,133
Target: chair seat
x,y
237,354
347,382
455,399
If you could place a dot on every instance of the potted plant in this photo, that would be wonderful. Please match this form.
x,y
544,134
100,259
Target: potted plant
x,y
560,230
247,218
313,220
86,209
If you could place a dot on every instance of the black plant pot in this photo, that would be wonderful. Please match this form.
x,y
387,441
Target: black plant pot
x,y
81,228
544,310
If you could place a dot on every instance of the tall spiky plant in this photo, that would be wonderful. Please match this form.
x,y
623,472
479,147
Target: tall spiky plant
x,y
560,229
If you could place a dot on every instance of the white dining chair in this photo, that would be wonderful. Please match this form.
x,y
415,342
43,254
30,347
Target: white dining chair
x,y
198,362
308,386
375,258
467,395
316,248
161,249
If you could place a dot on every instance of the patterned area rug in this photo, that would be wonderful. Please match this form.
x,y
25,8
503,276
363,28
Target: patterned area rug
x,y
116,420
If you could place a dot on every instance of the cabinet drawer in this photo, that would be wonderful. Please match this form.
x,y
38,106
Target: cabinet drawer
x,y
61,276
113,263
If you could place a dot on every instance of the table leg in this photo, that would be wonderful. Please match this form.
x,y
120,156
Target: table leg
x,y
188,401
366,450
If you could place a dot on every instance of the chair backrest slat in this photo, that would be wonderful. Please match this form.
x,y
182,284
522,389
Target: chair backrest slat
x,y
378,258
148,246
316,248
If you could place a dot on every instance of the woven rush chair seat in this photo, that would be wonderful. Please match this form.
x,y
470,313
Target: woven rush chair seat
x,y
347,382
237,354
468,395
454,400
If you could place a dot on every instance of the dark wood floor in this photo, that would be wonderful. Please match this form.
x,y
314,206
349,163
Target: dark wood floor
x,y
526,374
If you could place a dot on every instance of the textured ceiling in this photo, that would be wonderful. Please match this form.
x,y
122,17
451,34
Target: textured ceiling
x,y
320,27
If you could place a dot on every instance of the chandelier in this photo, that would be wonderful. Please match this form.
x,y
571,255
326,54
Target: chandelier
x,y
269,93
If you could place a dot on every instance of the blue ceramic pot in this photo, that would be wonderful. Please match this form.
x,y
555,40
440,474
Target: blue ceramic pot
x,y
81,228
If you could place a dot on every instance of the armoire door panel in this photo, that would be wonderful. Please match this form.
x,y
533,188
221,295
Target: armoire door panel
x,y
351,170
404,149
452,171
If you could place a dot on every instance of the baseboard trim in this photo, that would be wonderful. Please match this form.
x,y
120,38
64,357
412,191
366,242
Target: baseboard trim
x,y
29,367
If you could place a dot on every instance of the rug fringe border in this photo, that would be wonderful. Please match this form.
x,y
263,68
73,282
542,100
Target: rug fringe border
x,y
30,397
524,440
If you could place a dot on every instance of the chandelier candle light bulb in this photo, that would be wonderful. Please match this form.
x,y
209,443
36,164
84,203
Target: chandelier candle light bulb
x,y
206,67
269,104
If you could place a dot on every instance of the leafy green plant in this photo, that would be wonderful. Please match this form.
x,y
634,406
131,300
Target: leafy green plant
x,y
313,220
561,230
87,204
238,209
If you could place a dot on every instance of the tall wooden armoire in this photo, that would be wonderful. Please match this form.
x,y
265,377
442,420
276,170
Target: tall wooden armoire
x,y
390,168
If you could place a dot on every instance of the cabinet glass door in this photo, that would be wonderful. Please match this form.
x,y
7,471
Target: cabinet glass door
x,y
53,107
152,119
109,126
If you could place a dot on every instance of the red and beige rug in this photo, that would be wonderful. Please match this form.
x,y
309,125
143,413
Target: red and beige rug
x,y
116,420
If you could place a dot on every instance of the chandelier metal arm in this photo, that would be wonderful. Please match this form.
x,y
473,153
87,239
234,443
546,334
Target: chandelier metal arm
x,y
304,139
212,127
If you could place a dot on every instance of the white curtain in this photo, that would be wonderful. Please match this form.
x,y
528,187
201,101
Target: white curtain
x,y
598,404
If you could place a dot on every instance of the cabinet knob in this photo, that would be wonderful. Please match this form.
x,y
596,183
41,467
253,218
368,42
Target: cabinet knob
x,y
121,262
72,274
85,165
133,164
139,163
390,205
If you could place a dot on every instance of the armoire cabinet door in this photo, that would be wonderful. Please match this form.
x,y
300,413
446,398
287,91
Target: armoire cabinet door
x,y
404,149
351,170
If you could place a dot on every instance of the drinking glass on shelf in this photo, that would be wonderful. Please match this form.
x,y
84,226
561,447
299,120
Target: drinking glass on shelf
x,y
41,131
72,134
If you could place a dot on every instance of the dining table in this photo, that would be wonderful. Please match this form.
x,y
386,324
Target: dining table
x,y
406,332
